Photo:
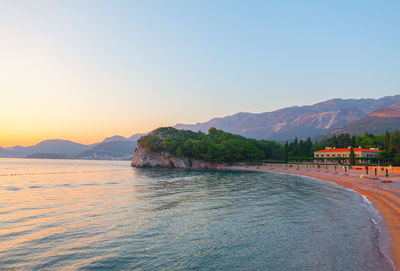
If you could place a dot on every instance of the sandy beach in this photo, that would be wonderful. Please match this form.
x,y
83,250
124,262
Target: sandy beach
x,y
383,192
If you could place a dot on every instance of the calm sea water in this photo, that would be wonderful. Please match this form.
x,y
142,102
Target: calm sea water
x,y
105,215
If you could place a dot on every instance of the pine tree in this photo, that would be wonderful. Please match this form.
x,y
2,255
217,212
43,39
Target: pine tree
x,y
308,147
286,152
334,141
295,147
353,140
352,157
386,140
358,140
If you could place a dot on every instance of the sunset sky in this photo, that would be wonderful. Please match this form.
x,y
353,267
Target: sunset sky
x,y
85,70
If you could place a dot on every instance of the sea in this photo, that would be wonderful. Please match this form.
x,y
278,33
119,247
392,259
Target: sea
x,y
106,215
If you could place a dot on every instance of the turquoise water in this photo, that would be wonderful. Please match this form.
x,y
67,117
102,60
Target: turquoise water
x,y
105,215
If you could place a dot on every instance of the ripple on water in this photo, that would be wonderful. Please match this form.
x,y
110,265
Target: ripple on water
x,y
13,188
35,186
182,220
65,185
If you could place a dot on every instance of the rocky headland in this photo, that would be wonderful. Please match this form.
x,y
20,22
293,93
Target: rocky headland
x,y
150,159
168,147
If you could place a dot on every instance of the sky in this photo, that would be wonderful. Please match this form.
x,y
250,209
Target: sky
x,y
84,70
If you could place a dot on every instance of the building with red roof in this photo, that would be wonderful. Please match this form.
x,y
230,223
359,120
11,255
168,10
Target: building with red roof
x,y
332,152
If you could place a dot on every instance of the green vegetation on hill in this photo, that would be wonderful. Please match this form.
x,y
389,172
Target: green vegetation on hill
x,y
220,146
388,144
216,146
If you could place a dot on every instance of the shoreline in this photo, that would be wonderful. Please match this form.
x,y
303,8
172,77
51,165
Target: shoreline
x,y
385,197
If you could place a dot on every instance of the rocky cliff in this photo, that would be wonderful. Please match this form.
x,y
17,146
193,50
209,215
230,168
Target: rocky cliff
x,y
143,158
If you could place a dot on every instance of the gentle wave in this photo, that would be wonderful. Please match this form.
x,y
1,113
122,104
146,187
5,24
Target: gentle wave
x,y
110,216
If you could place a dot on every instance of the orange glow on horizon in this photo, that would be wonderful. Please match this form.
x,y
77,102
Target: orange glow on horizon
x,y
28,135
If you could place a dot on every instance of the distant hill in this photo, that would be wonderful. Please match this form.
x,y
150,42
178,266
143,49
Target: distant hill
x,y
135,137
115,147
378,122
52,146
114,138
109,150
303,121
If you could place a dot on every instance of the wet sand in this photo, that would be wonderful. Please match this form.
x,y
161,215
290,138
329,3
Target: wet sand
x,y
382,192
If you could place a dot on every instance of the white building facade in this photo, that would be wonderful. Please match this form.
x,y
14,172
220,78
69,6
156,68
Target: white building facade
x,y
331,153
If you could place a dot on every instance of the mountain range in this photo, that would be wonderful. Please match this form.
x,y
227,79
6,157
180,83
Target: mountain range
x,y
111,148
298,121
378,122
354,116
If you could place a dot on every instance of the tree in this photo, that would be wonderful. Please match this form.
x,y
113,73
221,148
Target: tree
x,y
308,145
367,142
286,152
384,156
334,141
344,140
387,140
394,141
352,157
179,152
396,159
358,140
